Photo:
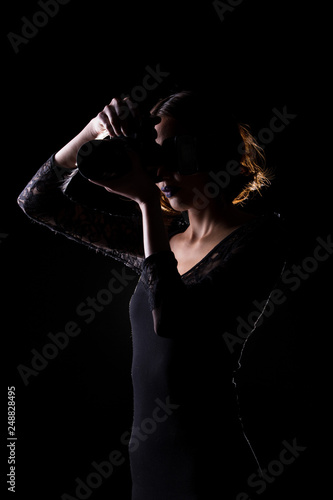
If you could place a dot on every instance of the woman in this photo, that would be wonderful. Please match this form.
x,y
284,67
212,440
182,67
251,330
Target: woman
x,y
198,278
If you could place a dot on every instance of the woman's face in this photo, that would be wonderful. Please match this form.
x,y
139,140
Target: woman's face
x,y
181,190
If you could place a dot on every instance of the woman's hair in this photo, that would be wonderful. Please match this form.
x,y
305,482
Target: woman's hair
x,y
223,139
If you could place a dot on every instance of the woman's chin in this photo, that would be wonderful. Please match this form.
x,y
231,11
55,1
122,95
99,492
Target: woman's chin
x,y
177,205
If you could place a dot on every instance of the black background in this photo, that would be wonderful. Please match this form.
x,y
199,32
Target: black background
x,y
263,55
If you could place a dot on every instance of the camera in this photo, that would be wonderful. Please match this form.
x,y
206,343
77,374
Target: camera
x,y
102,160
110,158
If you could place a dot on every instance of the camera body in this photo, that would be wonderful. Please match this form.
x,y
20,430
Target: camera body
x,y
102,160
110,158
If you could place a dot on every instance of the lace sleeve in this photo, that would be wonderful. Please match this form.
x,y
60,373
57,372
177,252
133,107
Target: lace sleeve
x,y
44,201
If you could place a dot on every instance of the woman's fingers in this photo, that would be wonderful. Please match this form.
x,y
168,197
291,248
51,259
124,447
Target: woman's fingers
x,y
112,118
104,122
129,114
120,117
132,107
117,117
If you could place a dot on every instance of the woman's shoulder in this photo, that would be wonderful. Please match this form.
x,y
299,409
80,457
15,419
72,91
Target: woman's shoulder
x,y
257,249
260,244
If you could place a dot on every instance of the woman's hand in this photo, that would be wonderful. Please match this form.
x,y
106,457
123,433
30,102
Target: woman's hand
x,y
117,118
136,184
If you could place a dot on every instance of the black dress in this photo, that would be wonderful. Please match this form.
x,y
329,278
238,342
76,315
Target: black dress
x,y
187,440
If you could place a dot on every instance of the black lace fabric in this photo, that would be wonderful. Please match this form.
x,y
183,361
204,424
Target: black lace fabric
x,y
44,200
221,287
241,268
179,323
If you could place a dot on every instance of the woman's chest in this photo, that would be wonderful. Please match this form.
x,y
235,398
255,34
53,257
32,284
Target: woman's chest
x,y
187,255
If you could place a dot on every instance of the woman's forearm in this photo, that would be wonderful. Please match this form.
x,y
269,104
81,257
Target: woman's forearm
x,y
155,236
67,156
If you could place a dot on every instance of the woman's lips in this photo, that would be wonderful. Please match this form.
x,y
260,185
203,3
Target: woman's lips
x,y
170,191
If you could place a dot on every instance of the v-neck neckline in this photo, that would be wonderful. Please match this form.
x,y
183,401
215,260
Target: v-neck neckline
x,y
221,242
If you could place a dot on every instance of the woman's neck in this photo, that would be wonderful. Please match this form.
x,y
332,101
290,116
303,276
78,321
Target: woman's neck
x,y
216,218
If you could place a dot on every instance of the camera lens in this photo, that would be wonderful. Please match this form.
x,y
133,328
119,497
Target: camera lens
x,y
106,159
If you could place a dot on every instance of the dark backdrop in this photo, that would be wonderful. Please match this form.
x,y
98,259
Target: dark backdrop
x,y
74,409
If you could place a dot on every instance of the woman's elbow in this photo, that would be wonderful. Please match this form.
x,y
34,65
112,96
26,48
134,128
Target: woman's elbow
x,y
26,207
22,203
